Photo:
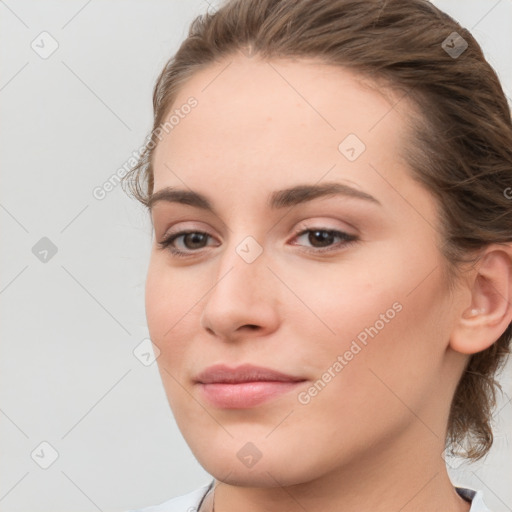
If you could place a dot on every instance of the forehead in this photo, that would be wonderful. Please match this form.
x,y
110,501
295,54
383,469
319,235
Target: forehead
x,y
256,117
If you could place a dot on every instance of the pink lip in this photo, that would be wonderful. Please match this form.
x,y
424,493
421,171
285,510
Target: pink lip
x,y
243,387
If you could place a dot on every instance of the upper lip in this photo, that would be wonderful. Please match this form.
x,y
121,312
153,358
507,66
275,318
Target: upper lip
x,y
245,373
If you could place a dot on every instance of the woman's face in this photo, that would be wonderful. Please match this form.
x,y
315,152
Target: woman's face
x,y
355,312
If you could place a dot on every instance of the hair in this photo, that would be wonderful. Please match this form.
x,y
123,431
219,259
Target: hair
x,y
459,147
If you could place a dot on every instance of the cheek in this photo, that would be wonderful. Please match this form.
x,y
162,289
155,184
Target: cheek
x,y
383,320
169,314
399,363
171,307
336,303
387,352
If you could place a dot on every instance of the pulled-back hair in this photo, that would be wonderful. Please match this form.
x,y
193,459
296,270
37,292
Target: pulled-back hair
x,y
459,146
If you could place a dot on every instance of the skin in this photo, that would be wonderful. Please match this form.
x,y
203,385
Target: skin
x,y
372,438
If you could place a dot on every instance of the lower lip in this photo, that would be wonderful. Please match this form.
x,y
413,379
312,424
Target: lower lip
x,y
245,394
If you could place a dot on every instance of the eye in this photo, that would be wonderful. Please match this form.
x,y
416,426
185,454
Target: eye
x,y
322,239
192,239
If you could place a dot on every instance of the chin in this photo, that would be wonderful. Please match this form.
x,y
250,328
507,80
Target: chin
x,y
265,476
230,462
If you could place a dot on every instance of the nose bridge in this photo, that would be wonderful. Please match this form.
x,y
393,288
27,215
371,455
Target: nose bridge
x,y
242,268
241,293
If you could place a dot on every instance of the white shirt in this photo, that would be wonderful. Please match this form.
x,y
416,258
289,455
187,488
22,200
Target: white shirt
x,y
191,501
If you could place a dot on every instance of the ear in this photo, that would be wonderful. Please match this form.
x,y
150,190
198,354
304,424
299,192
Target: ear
x,y
483,321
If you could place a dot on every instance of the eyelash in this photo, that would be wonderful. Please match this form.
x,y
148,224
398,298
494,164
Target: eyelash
x,y
347,238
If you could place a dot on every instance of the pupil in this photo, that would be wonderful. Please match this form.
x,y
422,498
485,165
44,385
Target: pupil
x,y
324,236
195,238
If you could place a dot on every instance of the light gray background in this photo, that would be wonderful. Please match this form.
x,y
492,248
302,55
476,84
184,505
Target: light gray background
x,y
69,326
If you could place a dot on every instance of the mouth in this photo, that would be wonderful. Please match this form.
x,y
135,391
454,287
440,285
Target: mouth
x,y
244,386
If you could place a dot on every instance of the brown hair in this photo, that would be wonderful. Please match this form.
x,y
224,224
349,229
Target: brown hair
x,y
460,146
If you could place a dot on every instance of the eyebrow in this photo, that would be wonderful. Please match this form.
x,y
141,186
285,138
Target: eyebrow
x,y
277,200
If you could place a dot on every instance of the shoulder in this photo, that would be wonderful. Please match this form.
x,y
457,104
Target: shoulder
x,y
188,502
475,497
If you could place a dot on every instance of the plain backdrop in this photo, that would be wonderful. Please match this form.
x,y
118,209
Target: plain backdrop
x,y
84,424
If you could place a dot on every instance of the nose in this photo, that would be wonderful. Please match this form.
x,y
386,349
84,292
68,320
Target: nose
x,y
243,301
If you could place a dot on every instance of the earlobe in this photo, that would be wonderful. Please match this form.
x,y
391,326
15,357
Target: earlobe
x,y
490,312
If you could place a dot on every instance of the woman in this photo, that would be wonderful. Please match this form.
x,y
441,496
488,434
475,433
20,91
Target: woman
x,y
329,288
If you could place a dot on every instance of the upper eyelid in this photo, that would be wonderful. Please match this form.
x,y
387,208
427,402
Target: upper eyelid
x,y
302,226
305,223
